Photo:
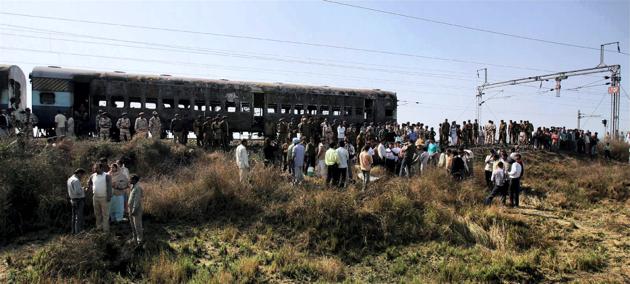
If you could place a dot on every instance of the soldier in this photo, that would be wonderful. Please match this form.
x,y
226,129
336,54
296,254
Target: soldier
x,y
208,133
198,128
218,132
123,125
511,131
104,125
490,132
475,132
283,130
155,126
177,127
502,132
27,122
464,136
444,131
97,122
225,130
141,125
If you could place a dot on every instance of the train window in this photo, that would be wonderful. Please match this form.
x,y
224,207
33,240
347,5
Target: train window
x,y
168,103
271,108
47,98
258,111
183,104
358,111
135,103
200,106
336,111
245,107
285,109
150,103
347,111
101,101
389,112
215,106
312,110
118,102
230,106
299,109
324,110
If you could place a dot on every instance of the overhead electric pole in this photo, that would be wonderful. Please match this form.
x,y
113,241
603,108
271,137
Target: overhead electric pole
x,y
480,95
582,115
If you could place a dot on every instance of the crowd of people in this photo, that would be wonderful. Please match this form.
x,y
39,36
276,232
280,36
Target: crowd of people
x,y
316,147
115,194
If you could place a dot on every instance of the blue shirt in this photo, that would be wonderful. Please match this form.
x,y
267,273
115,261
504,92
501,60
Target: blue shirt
x,y
298,155
432,148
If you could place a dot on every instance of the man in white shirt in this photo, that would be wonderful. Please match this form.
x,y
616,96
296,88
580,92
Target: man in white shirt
x,y
60,124
498,178
341,132
342,163
242,161
515,180
101,185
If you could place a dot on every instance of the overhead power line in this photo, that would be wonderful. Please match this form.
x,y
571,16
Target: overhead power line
x,y
469,27
214,66
172,48
292,42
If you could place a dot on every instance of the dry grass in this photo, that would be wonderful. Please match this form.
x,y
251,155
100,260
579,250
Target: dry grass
x,y
270,231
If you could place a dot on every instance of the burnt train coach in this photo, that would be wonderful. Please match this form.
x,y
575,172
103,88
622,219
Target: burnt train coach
x,y
248,106
12,88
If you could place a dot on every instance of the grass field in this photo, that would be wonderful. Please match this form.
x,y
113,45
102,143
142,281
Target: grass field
x,y
202,226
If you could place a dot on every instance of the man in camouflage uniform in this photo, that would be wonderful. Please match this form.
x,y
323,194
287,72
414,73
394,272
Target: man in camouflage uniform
x,y
227,135
511,131
198,128
155,126
104,125
218,132
177,127
491,131
208,133
27,120
283,130
141,126
123,125
97,121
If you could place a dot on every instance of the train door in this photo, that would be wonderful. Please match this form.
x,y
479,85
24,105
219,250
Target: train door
x,y
259,106
369,110
80,107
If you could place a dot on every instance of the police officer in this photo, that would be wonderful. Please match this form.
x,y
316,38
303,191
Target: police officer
x,y
155,126
502,132
198,128
283,130
208,133
104,125
123,125
141,125
177,127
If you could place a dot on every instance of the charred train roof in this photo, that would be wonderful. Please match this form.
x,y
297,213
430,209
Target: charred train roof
x,y
88,75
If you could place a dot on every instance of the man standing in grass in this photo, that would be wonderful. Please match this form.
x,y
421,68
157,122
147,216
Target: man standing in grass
x,y
101,185
344,158
135,209
332,159
365,161
242,161
515,180
298,160
498,178
77,199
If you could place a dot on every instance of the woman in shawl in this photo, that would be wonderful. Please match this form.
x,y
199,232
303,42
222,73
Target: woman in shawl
x,y
120,183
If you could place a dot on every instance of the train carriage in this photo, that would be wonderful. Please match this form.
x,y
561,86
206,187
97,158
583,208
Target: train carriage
x,y
12,88
248,106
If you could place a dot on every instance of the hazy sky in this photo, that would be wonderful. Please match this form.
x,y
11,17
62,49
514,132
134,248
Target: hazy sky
x,y
445,89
